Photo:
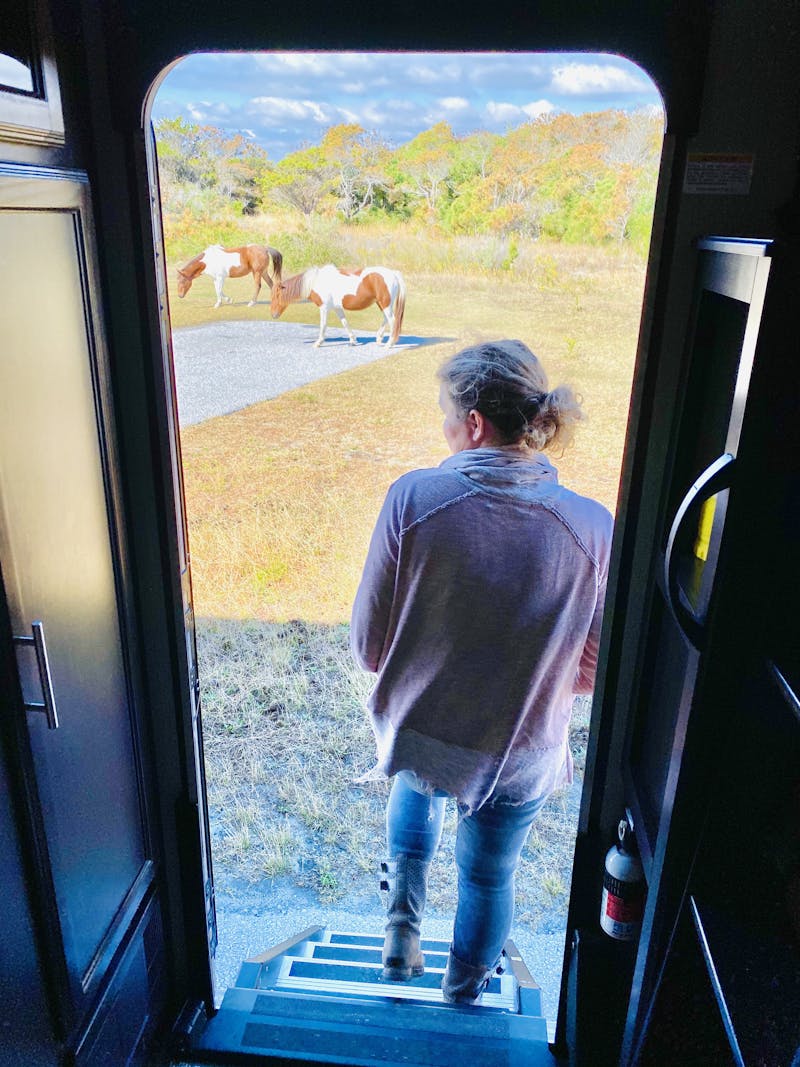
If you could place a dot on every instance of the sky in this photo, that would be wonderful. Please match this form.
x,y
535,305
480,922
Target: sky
x,y
286,100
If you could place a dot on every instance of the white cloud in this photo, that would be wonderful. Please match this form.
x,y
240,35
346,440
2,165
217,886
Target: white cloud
x,y
421,74
371,118
538,107
576,79
206,111
454,103
309,64
510,72
325,66
500,112
278,110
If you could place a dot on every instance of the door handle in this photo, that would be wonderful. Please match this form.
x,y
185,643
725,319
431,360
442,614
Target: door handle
x,y
48,707
714,479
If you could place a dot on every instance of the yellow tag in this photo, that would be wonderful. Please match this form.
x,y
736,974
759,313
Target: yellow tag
x,y
704,526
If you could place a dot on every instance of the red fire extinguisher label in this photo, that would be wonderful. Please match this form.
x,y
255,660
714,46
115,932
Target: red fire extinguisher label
x,y
622,907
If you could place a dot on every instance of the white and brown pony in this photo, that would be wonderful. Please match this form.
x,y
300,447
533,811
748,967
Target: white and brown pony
x,y
353,290
220,263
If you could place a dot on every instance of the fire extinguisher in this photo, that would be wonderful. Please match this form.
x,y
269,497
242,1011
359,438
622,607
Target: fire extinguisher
x,y
622,907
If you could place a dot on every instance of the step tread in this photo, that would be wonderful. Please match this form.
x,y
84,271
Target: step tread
x,y
346,937
366,954
372,1032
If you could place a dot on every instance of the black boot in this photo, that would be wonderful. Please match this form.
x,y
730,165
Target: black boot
x,y
405,880
462,982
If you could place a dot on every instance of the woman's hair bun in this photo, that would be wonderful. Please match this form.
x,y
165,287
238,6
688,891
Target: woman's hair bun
x,y
506,382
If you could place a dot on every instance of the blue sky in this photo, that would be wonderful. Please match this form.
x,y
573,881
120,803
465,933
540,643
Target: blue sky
x,y
285,100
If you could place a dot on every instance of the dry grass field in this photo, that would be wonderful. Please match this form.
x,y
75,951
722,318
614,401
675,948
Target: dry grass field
x,y
282,497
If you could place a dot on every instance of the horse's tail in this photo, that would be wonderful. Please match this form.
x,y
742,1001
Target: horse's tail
x,y
399,309
277,263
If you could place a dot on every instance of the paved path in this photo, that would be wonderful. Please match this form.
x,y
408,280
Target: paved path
x,y
224,366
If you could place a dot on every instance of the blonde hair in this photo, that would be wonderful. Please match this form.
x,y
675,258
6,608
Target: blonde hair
x,y
506,383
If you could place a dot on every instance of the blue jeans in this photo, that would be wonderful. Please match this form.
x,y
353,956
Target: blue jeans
x,y
488,845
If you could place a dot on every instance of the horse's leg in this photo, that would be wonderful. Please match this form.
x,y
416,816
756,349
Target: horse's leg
x,y
323,322
257,276
219,281
386,324
340,312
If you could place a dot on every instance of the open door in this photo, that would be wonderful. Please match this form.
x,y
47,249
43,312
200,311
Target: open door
x,y
197,813
72,711
711,760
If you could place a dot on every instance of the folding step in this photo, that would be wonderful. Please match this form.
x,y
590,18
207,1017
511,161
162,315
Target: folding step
x,y
320,997
370,1033
348,964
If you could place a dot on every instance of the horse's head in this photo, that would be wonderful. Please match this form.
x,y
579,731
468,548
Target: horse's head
x,y
184,283
279,301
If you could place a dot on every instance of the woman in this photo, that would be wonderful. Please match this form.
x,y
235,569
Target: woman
x,y
479,609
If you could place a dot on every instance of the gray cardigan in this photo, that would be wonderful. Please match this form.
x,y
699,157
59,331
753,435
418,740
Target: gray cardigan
x,y
479,610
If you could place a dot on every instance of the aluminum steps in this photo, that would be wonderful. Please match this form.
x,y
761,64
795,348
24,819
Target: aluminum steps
x,y
319,998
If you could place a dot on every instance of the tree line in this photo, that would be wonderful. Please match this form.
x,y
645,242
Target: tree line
x,y
587,178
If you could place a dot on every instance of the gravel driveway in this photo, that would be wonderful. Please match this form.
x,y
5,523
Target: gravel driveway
x,y
224,366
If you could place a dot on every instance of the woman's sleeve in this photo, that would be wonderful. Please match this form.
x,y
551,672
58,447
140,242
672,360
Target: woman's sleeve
x,y
369,622
587,668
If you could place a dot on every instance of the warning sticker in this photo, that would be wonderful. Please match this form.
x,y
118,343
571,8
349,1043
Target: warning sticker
x,y
723,173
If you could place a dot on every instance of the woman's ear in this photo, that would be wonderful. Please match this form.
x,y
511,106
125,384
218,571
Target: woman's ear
x,y
480,429
477,427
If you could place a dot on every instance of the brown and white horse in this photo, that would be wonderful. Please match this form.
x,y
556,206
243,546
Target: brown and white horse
x,y
221,263
333,289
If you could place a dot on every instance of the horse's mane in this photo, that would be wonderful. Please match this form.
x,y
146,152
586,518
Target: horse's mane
x,y
189,270
296,287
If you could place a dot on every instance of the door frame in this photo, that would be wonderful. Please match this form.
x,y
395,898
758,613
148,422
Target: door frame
x,y
599,810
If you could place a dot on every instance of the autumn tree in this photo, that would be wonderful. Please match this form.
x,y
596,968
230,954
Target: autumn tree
x,y
301,180
194,158
423,165
359,159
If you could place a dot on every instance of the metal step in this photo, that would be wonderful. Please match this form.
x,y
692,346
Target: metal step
x,y
339,963
320,997
365,980
370,1033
